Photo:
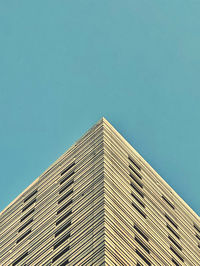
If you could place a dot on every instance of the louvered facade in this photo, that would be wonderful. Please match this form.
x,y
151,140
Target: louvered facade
x,y
99,204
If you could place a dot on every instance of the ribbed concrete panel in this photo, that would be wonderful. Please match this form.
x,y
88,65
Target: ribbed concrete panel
x,y
146,221
100,203
59,219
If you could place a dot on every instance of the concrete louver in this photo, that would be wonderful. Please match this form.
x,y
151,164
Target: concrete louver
x,y
100,203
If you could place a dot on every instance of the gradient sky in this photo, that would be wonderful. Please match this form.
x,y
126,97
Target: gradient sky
x,y
65,64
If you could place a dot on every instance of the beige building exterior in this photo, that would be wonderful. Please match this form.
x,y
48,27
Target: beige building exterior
x,y
100,203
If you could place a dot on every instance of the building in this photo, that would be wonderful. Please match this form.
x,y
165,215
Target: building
x,y
100,203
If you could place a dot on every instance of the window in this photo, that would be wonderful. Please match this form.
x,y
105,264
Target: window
x,y
62,229
65,196
63,217
26,215
66,186
135,172
138,191
143,257
141,244
175,243
28,205
140,232
141,212
23,236
177,254
60,254
64,206
169,203
133,177
175,262
197,228
25,225
197,236
138,200
20,258
172,230
30,195
69,167
65,262
171,221
136,165
66,177
62,240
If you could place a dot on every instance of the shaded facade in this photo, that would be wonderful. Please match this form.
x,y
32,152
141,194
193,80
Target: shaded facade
x,y
100,203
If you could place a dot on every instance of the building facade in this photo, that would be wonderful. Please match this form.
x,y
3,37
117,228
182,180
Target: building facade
x,y
100,203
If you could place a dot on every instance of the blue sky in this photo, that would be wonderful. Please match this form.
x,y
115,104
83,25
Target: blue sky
x,y
65,64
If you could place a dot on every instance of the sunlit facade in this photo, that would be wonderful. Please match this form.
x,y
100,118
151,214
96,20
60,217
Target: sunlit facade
x,y
100,203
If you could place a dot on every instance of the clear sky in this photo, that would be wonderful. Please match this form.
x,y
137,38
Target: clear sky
x,y
65,64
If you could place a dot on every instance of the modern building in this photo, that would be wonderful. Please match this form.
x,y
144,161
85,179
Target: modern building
x,y
100,203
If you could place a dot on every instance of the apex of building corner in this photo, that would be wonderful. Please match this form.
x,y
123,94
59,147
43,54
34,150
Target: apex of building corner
x,y
103,120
